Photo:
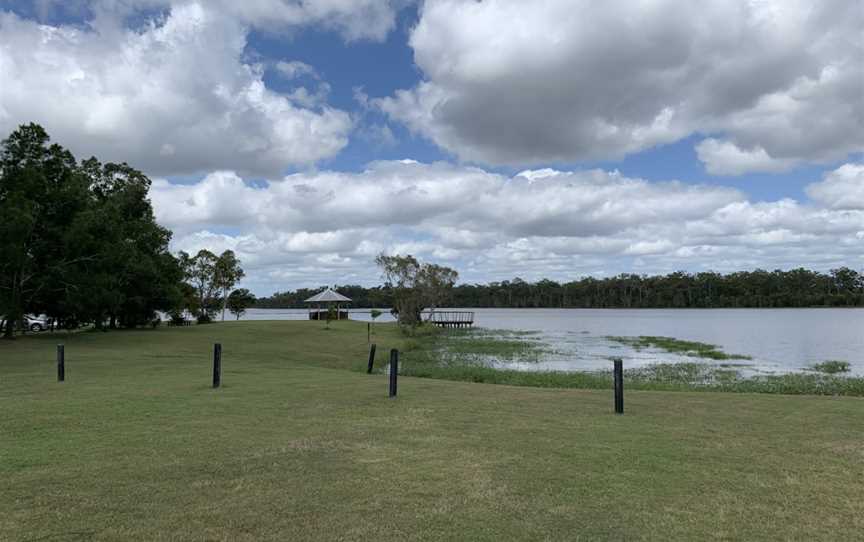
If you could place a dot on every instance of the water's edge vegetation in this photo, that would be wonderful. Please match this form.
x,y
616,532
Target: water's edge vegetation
x,y
463,355
670,344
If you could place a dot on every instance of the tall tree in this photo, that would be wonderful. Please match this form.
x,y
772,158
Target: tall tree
x,y
130,273
415,286
226,274
435,283
78,242
401,273
210,277
40,192
200,271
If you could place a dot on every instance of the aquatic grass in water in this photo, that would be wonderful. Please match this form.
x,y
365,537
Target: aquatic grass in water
x,y
475,346
464,355
659,378
832,366
677,346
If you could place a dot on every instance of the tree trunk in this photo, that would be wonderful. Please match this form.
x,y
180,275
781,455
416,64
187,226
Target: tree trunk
x,y
224,303
8,327
14,313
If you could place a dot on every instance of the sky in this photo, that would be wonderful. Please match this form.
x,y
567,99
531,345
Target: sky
x,y
550,139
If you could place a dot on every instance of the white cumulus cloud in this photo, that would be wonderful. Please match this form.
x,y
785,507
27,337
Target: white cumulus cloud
x,y
842,188
726,158
775,82
322,227
172,97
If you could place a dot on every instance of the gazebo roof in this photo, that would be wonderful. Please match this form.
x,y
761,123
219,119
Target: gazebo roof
x,y
328,295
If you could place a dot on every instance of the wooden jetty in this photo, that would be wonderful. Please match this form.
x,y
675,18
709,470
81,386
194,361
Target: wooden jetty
x,y
451,318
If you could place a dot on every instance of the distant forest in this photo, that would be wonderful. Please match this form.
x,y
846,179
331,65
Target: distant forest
x,y
842,287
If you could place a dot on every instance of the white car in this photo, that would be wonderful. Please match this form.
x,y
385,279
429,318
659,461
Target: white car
x,y
33,323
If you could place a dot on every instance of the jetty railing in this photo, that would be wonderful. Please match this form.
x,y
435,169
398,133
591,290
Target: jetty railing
x,y
451,318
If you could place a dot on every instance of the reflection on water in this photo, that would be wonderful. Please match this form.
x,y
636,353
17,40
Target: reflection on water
x,y
778,340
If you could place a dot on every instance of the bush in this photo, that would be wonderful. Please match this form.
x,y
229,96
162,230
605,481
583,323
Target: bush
x,y
204,318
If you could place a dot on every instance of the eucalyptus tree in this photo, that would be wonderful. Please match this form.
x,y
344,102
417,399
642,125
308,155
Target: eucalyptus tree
x,y
200,271
401,273
210,277
227,272
416,285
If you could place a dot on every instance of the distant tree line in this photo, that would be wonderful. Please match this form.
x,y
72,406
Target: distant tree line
x,y
376,296
80,244
843,287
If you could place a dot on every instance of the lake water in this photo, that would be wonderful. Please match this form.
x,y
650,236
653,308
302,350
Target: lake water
x,y
778,340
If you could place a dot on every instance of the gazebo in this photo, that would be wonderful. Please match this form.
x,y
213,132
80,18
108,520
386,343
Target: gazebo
x,y
327,299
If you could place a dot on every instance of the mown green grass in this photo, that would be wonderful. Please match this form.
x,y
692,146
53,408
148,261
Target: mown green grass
x,y
300,444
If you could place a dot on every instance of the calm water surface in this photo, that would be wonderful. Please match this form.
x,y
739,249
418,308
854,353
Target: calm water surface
x,y
778,340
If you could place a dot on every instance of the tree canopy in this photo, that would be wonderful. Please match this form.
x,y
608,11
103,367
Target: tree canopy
x,y
239,300
210,278
416,286
79,243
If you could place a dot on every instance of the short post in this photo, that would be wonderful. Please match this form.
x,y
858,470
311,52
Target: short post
x,y
619,386
368,332
217,365
371,359
394,371
61,363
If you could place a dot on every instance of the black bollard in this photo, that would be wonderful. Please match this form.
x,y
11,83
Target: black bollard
x,y
61,363
394,371
217,365
368,332
619,386
371,359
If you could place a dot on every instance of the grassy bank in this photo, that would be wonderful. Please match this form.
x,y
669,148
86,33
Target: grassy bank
x,y
298,446
465,356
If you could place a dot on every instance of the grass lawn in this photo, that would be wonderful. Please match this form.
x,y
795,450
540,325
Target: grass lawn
x,y
135,445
